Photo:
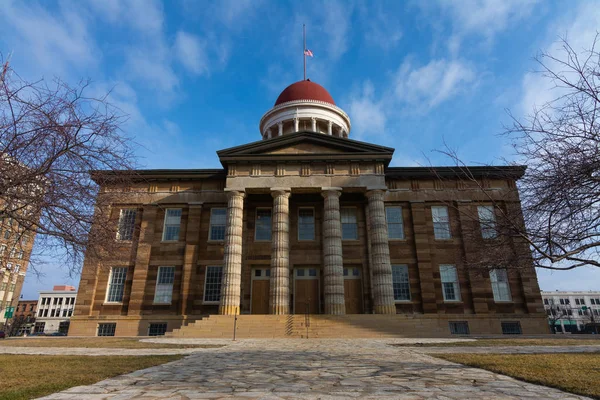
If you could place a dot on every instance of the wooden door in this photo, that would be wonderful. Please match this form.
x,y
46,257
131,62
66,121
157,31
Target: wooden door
x,y
260,291
353,291
306,291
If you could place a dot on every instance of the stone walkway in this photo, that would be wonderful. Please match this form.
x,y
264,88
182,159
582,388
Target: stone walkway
x,y
311,369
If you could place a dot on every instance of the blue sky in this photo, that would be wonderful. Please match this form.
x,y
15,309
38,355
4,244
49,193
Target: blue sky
x,y
196,77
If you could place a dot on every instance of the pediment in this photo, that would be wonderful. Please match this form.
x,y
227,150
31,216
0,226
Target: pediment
x,y
305,145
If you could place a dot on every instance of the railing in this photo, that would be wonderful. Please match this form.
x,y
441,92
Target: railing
x,y
307,317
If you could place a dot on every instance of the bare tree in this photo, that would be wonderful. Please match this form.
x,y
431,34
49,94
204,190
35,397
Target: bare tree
x,y
559,143
51,136
555,313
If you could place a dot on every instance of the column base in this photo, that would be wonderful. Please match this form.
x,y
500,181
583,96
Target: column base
x,y
229,310
385,309
335,309
280,310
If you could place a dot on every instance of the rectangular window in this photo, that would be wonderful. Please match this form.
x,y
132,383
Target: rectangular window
x,y
2,250
459,328
582,302
577,301
546,301
3,286
349,223
12,287
39,327
263,224
172,224
157,329
17,268
441,222
500,286
126,223
400,282
218,220
395,223
20,254
116,285
487,221
212,284
306,224
450,287
164,285
107,329
511,328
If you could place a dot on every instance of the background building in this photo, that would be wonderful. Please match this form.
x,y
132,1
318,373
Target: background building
x,y
23,319
572,311
55,308
15,250
305,222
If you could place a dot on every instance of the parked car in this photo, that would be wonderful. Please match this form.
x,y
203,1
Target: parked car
x,y
38,334
2,335
58,334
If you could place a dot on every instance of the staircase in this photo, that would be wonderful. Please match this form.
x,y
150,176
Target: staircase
x,y
312,326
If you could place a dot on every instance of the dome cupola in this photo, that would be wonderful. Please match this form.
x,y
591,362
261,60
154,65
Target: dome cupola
x,y
304,106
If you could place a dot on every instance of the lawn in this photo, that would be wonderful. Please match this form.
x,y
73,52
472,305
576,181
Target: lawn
x,y
27,376
96,342
509,342
576,372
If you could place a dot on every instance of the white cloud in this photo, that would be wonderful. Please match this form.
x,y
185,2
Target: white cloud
x,y
381,28
335,26
432,84
153,68
191,52
480,18
579,27
51,42
368,116
142,15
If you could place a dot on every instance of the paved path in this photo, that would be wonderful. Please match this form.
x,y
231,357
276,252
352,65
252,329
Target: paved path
x,y
311,369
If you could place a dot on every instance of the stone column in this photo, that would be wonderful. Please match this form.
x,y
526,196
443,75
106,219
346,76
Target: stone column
x,y
279,294
329,128
314,124
232,261
190,257
383,289
280,129
142,259
333,262
296,124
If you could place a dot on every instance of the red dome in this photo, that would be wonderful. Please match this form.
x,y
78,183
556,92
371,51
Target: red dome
x,y
304,90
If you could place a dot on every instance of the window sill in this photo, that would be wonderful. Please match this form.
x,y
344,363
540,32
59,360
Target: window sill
x,y
403,301
453,301
443,239
213,241
397,240
170,241
112,303
211,303
504,301
351,240
161,304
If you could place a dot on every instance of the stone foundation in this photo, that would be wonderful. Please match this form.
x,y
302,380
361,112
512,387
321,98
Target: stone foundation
x,y
321,326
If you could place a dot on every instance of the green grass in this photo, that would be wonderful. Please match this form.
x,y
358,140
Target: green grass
x,y
577,373
509,342
96,342
31,376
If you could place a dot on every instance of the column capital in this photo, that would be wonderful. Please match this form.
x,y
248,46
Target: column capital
x,y
331,191
276,192
235,193
375,194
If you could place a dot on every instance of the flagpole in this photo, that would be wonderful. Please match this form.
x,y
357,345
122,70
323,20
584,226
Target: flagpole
x,y
304,49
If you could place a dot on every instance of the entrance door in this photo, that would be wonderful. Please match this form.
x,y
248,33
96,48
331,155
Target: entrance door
x,y
306,290
261,278
353,291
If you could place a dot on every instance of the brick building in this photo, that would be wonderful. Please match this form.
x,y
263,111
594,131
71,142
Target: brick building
x,y
15,250
305,224
24,317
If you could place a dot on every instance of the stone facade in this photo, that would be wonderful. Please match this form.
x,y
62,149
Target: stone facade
x,y
341,187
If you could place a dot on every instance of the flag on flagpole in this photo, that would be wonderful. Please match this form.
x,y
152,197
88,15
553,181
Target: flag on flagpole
x,y
309,53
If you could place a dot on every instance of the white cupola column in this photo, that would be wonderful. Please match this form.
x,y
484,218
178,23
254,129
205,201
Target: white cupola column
x,y
296,124
329,128
314,124
269,135
340,131
280,126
